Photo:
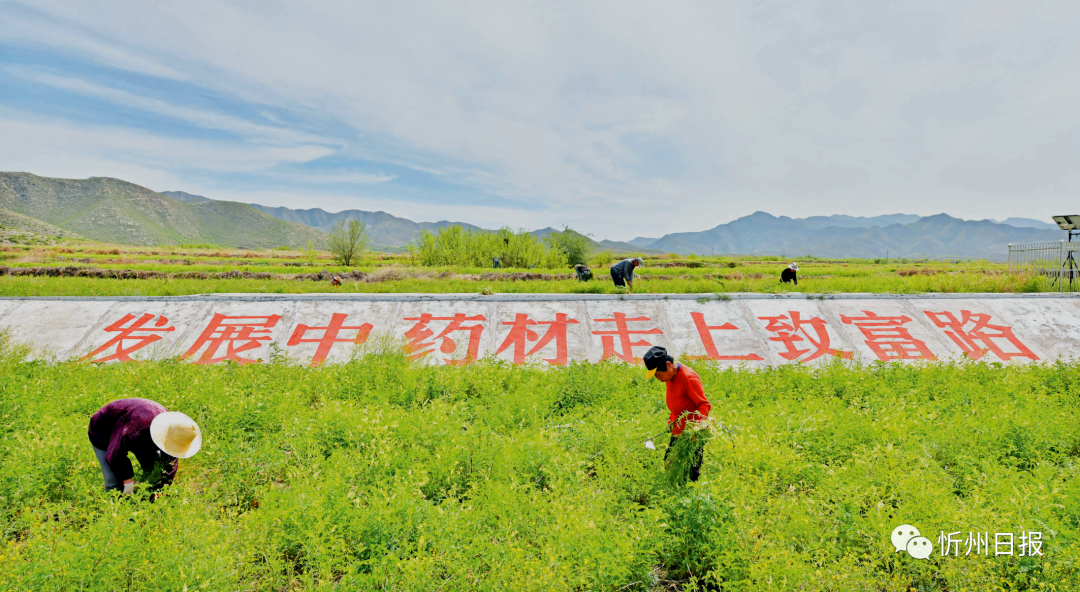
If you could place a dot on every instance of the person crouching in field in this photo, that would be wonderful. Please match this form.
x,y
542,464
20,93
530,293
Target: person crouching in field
x,y
145,428
685,396
790,274
622,273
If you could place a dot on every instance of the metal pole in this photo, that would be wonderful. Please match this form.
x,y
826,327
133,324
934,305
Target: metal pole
x,y
1061,261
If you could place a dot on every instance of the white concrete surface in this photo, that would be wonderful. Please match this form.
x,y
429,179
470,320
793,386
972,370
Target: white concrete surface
x,y
746,330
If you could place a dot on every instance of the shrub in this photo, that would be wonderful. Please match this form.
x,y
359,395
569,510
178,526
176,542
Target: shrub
x,y
348,240
477,248
573,245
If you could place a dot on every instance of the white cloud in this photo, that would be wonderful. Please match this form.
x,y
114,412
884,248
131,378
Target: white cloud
x,y
57,148
336,177
29,29
604,110
197,117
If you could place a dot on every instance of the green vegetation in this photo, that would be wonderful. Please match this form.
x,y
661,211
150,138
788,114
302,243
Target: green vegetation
x,y
197,269
348,241
478,248
382,474
573,245
117,211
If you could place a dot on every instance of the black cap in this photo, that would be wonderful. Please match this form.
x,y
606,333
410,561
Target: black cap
x,y
656,359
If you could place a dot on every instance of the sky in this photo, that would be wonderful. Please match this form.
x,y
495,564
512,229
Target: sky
x,y
617,118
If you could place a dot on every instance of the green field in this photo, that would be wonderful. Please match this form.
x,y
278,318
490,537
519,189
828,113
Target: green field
x,y
169,271
385,475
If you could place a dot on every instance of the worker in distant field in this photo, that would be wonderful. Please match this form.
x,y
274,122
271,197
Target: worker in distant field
x,y
622,273
790,274
685,395
156,436
336,281
583,272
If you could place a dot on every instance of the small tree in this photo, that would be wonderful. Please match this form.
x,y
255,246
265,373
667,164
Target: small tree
x,y
573,245
348,241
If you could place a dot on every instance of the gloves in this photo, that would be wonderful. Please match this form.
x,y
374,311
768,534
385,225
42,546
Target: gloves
x,y
129,488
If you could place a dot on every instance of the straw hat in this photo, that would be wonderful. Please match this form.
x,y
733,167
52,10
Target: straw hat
x,y
794,267
176,434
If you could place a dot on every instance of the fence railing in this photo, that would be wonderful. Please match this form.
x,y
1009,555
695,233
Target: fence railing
x,y
1056,265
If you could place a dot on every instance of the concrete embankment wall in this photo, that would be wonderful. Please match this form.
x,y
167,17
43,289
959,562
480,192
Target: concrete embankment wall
x,y
739,329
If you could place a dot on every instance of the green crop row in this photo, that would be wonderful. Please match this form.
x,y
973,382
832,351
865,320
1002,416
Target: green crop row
x,y
381,474
437,282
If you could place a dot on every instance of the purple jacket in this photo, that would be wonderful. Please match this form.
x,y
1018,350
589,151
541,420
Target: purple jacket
x,y
123,426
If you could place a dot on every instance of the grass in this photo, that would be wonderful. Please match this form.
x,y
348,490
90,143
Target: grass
x,y
397,273
382,474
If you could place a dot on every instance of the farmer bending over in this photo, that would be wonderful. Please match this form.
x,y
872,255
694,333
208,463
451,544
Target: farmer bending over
x,y
791,274
685,395
622,273
146,429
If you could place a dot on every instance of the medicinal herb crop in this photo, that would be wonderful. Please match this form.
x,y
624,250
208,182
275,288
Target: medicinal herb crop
x,y
382,474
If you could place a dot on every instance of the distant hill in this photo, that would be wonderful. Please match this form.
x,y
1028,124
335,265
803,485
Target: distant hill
x,y
1028,223
604,245
642,241
112,210
185,197
15,221
384,230
816,222
17,228
842,221
933,236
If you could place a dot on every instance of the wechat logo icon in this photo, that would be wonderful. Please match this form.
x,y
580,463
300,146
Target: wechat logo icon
x,y
907,538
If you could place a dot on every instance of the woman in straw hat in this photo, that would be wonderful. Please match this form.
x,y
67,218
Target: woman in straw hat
x,y
790,274
146,429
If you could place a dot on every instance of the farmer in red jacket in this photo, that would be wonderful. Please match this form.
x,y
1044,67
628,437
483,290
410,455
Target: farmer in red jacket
x,y
685,395
147,430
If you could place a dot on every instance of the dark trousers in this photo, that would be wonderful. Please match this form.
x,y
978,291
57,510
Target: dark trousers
x,y
695,471
617,278
111,482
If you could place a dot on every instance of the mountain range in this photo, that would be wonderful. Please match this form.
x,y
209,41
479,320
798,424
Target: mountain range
x,y
941,235
387,232
113,210
384,230
116,211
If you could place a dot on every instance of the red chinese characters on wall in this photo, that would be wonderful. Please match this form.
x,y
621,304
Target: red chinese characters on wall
x,y
794,331
329,336
457,337
975,336
423,340
705,334
238,334
134,334
521,334
625,349
888,338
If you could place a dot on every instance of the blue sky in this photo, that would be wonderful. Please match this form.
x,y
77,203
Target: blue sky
x,y
621,119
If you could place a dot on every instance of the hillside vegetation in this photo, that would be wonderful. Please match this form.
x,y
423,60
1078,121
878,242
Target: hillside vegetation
x,y
17,228
931,236
115,211
386,475
388,232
